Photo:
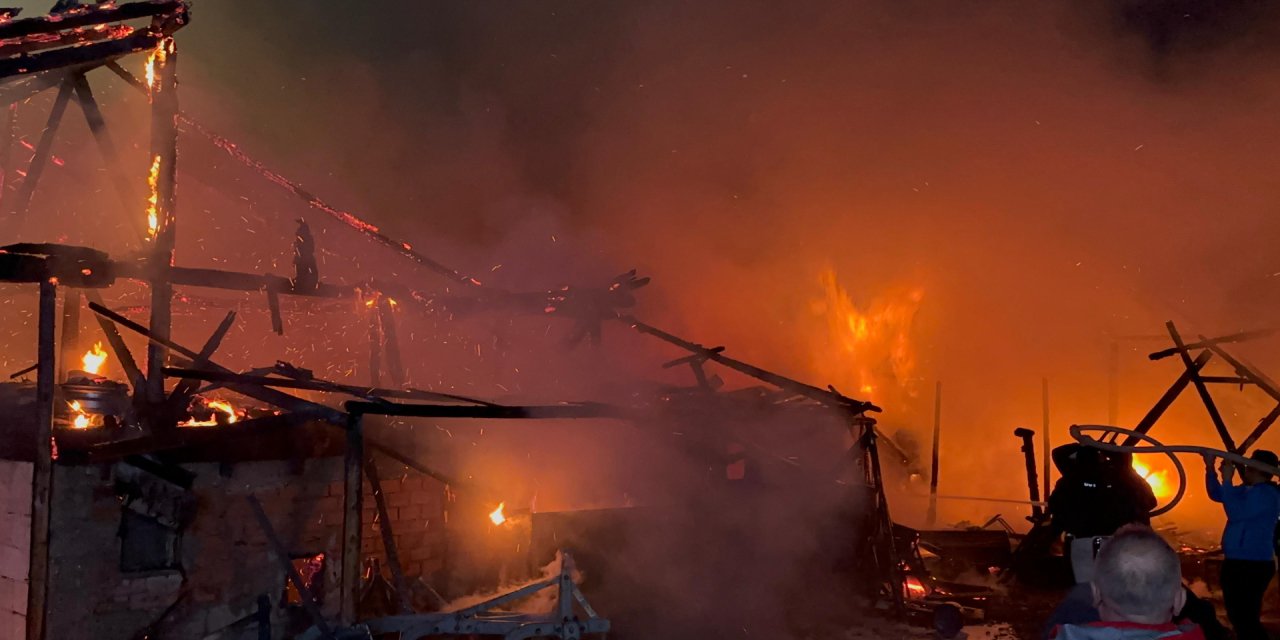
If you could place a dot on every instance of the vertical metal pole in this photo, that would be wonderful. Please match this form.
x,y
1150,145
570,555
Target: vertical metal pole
x,y
1113,384
1044,396
352,498
932,516
42,471
164,156
68,350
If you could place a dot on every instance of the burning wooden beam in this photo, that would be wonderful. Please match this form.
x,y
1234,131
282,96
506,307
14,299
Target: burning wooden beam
x,y
44,149
388,537
163,202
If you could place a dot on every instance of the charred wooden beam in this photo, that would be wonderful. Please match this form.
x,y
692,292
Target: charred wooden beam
x,y
1148,421
1202,344
6,150
375,349
1201,388
79,58
164,167
829,396
229,378
488,412
42,470
98,127
89,16
309,602
1263,424
1263,382
388,537
181,394
44,149
269,396
273,305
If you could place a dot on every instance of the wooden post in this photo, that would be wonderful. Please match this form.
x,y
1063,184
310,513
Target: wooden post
x,y
375,349
44,149
42,471
352,500
164,157
932,516
1214,415
69,348
1044,396
1167,399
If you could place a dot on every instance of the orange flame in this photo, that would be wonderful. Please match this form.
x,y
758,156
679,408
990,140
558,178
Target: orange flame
x,y
81,421
1159,480
872,344
153,197
496,516
159,54
91,362
216,405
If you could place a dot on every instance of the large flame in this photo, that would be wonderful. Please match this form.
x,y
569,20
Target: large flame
x,y
496,516
1159,480
872,344
153,197
92,361
158,54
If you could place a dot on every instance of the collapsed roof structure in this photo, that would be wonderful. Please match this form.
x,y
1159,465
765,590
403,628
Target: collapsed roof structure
x,y
151,435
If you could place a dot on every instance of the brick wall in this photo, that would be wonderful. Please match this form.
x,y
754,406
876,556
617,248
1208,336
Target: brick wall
x,y
15,540
226,558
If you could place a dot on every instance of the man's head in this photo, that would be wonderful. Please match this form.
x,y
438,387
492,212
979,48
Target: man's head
x,y
1137,578
1256,476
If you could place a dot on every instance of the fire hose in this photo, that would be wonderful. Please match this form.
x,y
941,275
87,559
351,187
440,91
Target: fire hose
x,y
1079,431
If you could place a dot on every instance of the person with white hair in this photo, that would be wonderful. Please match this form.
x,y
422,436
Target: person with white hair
x,y
1137,590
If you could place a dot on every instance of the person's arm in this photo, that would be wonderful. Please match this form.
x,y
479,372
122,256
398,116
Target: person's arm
x,y
1211,483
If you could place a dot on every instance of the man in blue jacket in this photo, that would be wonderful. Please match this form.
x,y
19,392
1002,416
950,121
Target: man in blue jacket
x,y
1248,542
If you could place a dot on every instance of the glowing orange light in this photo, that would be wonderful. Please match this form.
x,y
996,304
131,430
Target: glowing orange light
x,y
153,197
81,421
867,347
496,516
914,588
218,406
1159,480
91,362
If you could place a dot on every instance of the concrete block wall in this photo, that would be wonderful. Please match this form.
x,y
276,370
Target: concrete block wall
x,y
15,545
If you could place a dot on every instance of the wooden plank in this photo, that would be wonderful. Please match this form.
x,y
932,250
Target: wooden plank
x,y
183,390
42,470
1046,450
1268,386
273,304
375,349
1201,388
44,149
1205,342
352,502
319,385
388,536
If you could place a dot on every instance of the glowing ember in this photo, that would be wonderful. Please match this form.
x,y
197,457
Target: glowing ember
x,y
153,197
496,515
81,421
93,360
1159,480
914,588
225,407
872,343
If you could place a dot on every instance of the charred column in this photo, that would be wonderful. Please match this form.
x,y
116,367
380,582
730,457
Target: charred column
x,y
42,470
163,200
1033,484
